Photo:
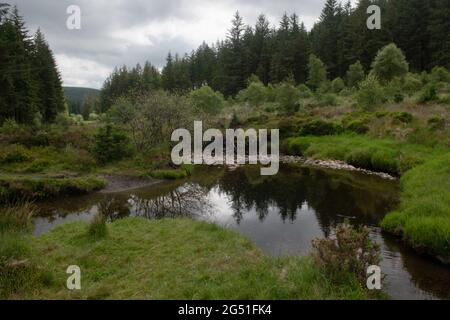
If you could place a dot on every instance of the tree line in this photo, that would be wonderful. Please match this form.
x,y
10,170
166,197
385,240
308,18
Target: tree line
x,y
340,38
30,84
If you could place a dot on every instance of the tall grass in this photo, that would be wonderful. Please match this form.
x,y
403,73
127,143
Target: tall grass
x,y
16,217
423,217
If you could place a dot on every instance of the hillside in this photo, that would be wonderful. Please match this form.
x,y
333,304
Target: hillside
x,y
76,95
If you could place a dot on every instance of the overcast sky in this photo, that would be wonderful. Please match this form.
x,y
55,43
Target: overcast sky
x,y
118,32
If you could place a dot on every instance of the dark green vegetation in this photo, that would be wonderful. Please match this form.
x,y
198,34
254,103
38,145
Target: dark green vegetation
x,y
175,259
376,99
83,101
340,38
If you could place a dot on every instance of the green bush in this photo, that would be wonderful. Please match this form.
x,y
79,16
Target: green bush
x,y
348,251
337,85
317,72
355,75
370,94
255,94
319,128
411,84
390,62
111,144
206,100
288,98
440,74
14,154
305,92
437,123
429,93
404,117
326,99
357,126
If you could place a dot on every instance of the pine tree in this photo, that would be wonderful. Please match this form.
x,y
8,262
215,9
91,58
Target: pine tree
x,y
439,33
48,79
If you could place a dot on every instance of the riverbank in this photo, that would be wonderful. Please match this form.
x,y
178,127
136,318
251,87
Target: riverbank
x,y
423,217
174,259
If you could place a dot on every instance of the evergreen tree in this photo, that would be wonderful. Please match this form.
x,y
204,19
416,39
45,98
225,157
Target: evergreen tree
x,y
50,93
439,33
355,74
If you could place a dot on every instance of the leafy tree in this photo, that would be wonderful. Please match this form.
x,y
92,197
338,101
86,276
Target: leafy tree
x,y
317,73
355,74
370,94
389,63
337,85
288,98
205,100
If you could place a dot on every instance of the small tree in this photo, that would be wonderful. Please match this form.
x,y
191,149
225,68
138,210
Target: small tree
x,y
389,63
205,100
337,85
317,72
255,94
370,94
288,98
355,74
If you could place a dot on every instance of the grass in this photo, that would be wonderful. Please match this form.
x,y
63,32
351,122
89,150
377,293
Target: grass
x,y
423,217
177,259
19,268
384,155
15,187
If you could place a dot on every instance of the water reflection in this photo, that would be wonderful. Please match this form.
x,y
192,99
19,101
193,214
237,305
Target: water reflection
x,y
281,214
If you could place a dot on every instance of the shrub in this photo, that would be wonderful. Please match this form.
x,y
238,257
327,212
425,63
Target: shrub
x,y
411,84
319,128
389,63
93,117
326,99
337,85
404,117
205,100
63,119
440,74
429,93
305,92
14,154
347,251
110,145
317,72
357,126
255,94
436,123
355,75
370,94
288,98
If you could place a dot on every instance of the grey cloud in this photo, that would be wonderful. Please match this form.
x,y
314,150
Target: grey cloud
x,y
102,20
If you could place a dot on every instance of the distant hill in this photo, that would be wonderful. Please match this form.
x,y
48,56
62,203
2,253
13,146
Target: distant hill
x,y
76,95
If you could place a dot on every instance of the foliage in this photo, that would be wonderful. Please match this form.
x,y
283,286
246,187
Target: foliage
x,y
111,144
423,218
205,100
389,63
337,85
288,98
347,251
428,93
255,94
370,93
97,227
355,74
317,72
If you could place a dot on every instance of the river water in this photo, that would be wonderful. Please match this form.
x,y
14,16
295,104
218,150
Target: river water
x,y
280,214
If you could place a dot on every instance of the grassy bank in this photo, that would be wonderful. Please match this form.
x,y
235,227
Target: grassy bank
x,y
176,259
423,218
384,155
16,187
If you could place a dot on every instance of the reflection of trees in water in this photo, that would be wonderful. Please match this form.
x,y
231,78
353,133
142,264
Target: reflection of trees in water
x,y
329,194
186,201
